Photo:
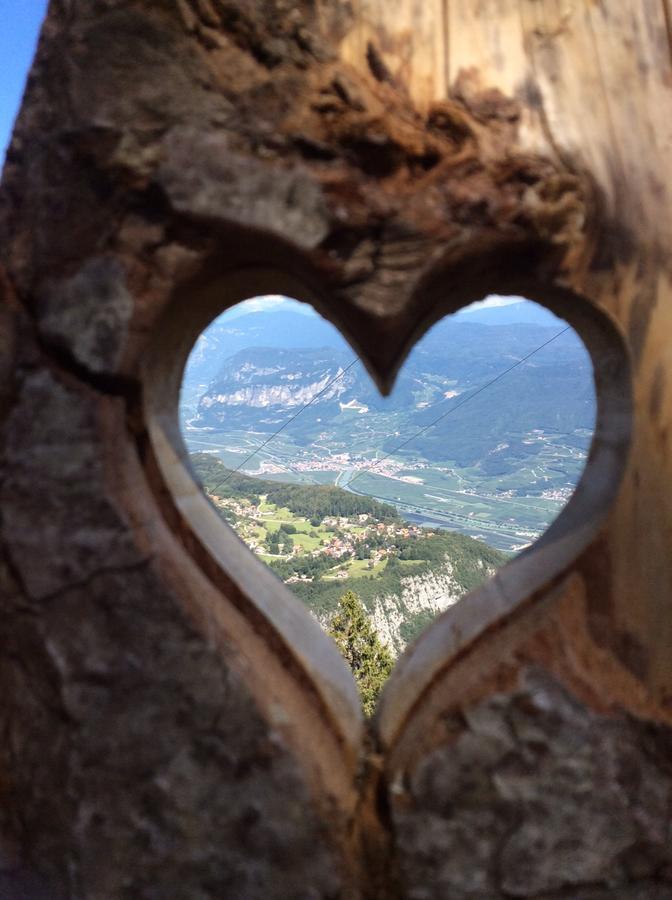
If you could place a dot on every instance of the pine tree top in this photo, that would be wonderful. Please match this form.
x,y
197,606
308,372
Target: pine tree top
x,y
355,636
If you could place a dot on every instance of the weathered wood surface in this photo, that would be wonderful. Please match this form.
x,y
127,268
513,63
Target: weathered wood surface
x,y
162,722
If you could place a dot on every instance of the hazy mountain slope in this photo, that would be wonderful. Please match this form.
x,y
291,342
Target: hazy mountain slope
x,y
264,386
486,431
520,313
271,328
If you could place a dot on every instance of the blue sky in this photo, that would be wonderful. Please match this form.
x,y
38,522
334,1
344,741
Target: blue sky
x,y
20,22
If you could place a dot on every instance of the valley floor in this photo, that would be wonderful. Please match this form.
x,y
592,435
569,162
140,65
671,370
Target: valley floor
x,y
507,510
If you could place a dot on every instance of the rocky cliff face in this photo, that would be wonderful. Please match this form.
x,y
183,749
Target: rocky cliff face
x,y
397,616
293,393
429,594
265,378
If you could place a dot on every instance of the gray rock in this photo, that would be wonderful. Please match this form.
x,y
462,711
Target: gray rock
x,y
88,314
59,525
539,796
204,177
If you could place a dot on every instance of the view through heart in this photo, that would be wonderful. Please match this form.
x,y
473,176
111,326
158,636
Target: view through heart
x,y
380,513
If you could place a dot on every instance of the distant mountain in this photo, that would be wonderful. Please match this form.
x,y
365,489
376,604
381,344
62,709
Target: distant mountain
x,y
523,313
458,342
486,431
268,376
262,386
441,383
270,328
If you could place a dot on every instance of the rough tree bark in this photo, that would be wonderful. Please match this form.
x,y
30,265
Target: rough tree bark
x,y
168,730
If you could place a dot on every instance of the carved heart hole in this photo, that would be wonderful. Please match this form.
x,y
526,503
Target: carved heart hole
x,y
379,513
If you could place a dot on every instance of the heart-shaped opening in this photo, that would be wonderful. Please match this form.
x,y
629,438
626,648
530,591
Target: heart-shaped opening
x,y
276,626
380,513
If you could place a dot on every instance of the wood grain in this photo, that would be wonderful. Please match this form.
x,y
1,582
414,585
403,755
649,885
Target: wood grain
x,y
170,717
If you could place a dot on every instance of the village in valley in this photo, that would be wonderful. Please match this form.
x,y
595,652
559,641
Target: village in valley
x,y
346,545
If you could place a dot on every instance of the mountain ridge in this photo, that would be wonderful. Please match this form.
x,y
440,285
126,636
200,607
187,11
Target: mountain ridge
x,y
486,430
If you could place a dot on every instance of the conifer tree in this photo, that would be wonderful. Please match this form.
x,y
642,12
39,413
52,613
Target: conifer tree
x,y
370,660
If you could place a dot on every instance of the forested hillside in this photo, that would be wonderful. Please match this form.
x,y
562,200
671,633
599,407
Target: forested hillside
x,y
310,501
323,541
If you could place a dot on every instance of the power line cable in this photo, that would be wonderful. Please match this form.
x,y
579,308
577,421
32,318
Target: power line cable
x,y
457,406
403,444
288,422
